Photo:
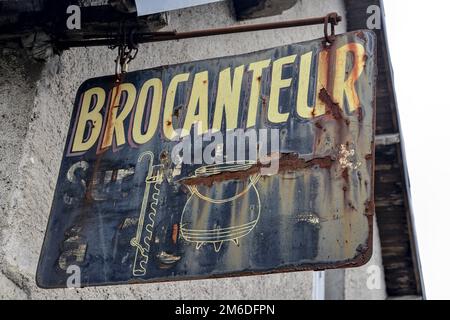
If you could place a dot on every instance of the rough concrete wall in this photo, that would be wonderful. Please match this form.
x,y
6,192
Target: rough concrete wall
x,y
17,90
43,107
364,283
367,282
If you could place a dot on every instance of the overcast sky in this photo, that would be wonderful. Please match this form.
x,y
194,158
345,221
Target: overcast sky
x,y
418,34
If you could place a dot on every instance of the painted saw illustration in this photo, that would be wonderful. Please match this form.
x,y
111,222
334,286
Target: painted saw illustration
x,y
144,232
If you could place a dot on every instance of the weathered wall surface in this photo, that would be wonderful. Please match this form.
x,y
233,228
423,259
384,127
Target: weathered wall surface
x,y
17,91
367,282
35,107
363,283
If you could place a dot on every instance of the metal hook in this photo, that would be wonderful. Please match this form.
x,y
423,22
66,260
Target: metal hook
x,y
331,18
125,55
118,70
127,50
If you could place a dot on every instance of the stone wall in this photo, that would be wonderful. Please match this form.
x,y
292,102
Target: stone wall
x,y
36,101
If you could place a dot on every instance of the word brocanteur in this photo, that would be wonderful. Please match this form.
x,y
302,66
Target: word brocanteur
x,y
133,115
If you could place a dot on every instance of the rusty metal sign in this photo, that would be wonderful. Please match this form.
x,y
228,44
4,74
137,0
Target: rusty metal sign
x,y
152,188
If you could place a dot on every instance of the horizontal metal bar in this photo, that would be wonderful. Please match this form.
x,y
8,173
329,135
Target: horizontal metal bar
x,y
174,35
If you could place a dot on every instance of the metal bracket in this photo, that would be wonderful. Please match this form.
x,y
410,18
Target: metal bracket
x,y
146,37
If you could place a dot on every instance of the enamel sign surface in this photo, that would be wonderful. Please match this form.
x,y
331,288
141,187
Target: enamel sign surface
x,y
249,164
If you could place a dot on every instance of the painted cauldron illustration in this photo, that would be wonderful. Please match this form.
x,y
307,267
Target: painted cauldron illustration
x,y
226,210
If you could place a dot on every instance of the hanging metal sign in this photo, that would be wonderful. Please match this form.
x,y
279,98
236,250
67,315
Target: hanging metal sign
x,y
250,164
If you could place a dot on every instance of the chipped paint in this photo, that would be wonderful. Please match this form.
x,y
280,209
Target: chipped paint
x,y
124,213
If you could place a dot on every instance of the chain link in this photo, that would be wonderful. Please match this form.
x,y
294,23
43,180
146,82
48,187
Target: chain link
x,y
125,54
127,50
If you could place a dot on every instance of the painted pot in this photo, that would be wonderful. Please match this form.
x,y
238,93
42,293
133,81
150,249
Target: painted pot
x,y
226,211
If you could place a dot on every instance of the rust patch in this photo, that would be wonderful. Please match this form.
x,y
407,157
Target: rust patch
x,y
264,103
174,233
318,125
108,132
361,35
109,127
370,208
360,114
352,207
345,175
163,156
287,162
332,108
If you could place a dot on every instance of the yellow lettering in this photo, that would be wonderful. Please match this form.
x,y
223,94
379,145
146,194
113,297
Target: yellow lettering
x,y
322,83
199,97
228,97
114,125
257,68
303,109
347,87
86,116
168,129
278,83
155,111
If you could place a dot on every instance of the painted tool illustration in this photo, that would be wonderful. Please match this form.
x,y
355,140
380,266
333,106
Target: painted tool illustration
x,y
208,218
146,223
